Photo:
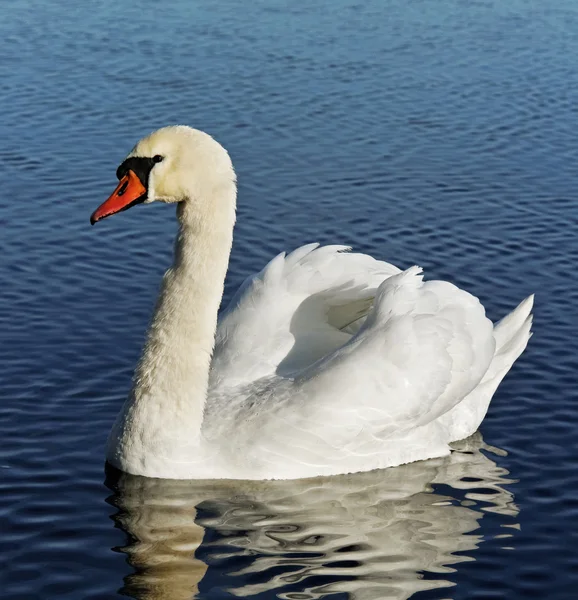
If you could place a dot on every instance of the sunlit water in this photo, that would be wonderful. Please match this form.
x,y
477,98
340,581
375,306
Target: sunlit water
x,y
440,133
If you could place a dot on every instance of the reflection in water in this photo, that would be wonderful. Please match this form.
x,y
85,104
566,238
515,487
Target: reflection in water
x,y
383,534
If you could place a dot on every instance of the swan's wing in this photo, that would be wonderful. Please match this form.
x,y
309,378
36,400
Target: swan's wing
x,y
373,402
422,349
299,308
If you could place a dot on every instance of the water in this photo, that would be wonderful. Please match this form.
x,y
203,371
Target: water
x,y
438,133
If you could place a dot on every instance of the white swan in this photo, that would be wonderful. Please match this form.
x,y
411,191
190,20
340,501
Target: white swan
x,y
325,362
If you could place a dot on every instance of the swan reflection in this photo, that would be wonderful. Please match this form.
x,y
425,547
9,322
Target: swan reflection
x,y
366,536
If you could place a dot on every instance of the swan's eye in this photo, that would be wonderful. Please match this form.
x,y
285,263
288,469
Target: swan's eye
x,y
158,158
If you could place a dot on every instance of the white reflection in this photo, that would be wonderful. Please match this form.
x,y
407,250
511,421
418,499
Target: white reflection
x,y
370,535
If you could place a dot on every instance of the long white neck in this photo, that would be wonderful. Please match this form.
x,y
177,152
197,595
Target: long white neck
x,y
173,372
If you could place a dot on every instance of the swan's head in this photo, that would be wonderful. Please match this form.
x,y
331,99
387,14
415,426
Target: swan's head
x,y
173,164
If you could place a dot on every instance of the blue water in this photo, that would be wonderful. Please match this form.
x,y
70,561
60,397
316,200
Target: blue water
x,y
440,133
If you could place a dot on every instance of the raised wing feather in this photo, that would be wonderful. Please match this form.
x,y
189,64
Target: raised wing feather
x,y
298,309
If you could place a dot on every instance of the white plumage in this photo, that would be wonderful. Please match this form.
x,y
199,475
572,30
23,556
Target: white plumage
x,y
325,362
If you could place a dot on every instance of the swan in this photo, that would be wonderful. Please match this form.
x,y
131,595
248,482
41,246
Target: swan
x,y
326,362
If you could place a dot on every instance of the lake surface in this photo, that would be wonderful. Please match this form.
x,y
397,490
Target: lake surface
x,y
439,133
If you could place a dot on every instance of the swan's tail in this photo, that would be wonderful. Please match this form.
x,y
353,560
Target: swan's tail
x,y
511,334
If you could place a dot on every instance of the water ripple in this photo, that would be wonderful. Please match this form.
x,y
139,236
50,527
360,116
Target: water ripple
x,y
369,535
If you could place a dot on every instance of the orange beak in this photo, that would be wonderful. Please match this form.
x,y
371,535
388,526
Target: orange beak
x,y
129,191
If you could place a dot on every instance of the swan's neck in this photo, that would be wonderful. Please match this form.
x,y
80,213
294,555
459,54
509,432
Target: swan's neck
x,y
172,376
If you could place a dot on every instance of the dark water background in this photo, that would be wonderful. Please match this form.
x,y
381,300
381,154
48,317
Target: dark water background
x,y
436,132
